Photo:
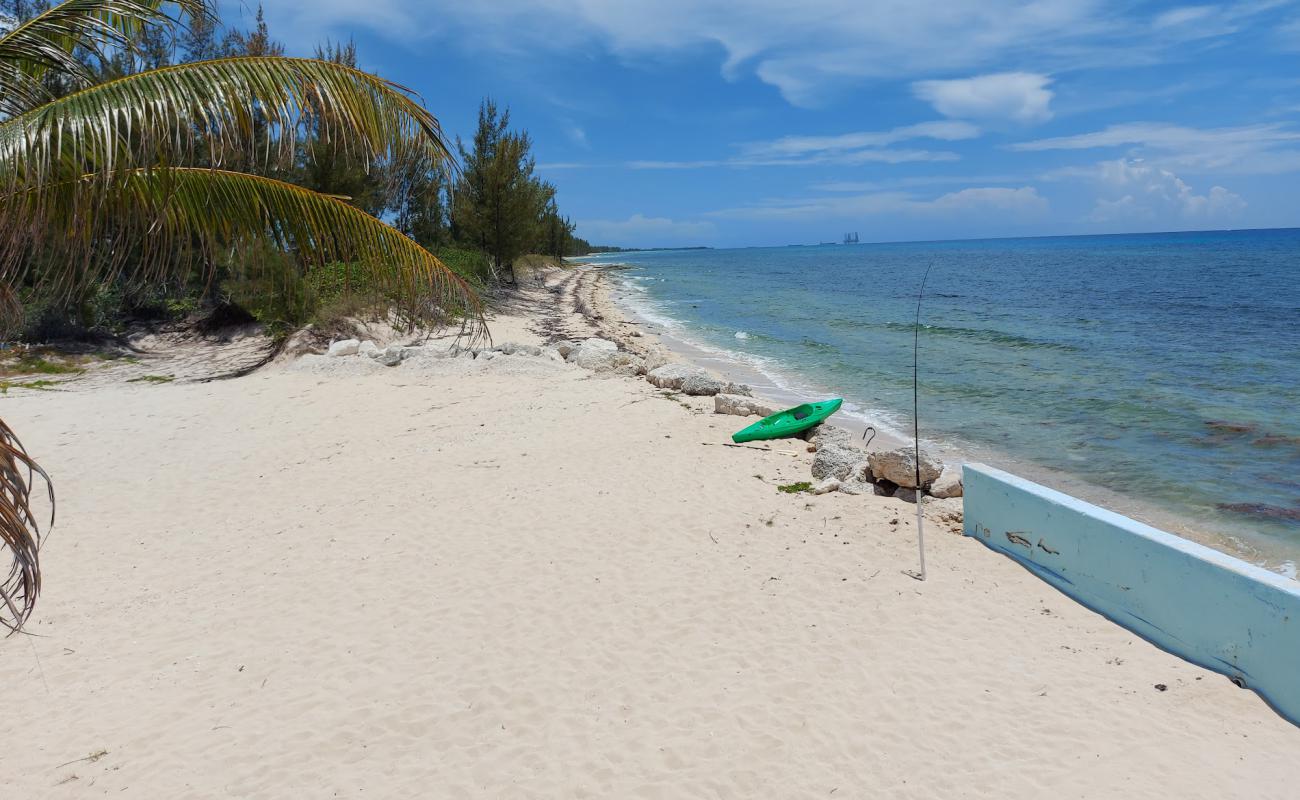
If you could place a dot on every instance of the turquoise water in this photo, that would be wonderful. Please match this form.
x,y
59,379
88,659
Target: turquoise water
x,y
1160,366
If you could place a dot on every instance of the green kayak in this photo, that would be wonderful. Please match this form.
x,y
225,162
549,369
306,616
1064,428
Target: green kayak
x,y
788,422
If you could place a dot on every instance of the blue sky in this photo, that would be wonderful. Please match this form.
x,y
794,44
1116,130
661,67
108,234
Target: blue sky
x,y
684,122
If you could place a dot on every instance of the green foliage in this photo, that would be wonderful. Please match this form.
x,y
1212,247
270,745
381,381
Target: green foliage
x,y
153,379
795,488
470,264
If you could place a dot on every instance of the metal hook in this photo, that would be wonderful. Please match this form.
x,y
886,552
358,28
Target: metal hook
x,y
864,436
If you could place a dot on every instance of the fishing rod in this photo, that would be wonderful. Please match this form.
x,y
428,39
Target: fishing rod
x,y
916,422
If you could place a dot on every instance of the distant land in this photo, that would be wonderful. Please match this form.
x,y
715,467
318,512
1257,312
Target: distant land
x,y
612,249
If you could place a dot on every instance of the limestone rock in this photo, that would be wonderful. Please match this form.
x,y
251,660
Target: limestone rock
x,y
487,355
564,347
347,347
885,488
702,385
899,466
726,403
670,376
948,484
905,494
740,389
552,354
655,358
826,486
391,356
515,348
835,461
599,343
822,435
368,348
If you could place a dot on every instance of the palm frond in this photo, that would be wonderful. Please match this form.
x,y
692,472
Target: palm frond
x,y
20,533
49,41
163,223
222,106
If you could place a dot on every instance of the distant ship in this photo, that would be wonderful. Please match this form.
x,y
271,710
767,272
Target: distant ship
x,y
850,238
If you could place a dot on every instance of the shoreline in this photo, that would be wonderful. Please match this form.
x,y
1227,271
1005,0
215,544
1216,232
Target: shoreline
x,y
512,576
1256,549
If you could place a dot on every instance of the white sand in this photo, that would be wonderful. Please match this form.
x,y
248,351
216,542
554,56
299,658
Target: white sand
x,y
458,579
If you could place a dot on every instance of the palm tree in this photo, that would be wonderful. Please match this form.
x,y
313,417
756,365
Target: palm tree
x,y
150,178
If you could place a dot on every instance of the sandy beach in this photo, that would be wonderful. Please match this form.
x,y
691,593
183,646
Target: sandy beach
x,y
515,578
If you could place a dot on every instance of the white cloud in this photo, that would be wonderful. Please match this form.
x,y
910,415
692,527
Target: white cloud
x,y
805,50
1006,204
639,230
1175,17
1267,148
846,149
1134,190
1018,96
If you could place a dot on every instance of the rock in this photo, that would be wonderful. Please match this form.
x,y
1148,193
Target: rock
x,y
391,356
885,488
726,403
629,364
702,385
835,461
670,376
899,466
368,348
821,435
347,347
515,348
740,389
564,347
487,355
948,484
655,358
552,354
826,486
602,344
905,494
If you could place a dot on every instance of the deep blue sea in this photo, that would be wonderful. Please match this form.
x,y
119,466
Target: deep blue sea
x,y
1163,367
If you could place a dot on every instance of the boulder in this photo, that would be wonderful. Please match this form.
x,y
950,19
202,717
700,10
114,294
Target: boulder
x,y
859,480
564,347
948,484
885,488
835,461
905,494
702,385
740,389
822,435
487,355
368,348
391,356
670,376
826,486
552,354
515,348
602,344
347,347
725,403
899,466
655,358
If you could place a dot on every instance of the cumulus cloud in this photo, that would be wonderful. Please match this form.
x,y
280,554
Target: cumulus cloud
x,y
1134,190
1018,96
639,230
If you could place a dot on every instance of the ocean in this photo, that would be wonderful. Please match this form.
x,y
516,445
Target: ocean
x,y
1158,374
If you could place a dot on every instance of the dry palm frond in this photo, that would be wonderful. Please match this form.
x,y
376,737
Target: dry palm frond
x,y
48,41
208,111
20,533
162,223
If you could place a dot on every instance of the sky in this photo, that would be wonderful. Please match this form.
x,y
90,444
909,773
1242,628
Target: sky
x,y
700,122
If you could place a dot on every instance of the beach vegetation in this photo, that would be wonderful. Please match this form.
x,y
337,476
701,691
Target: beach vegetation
x,y
795,488
123,174
152,379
